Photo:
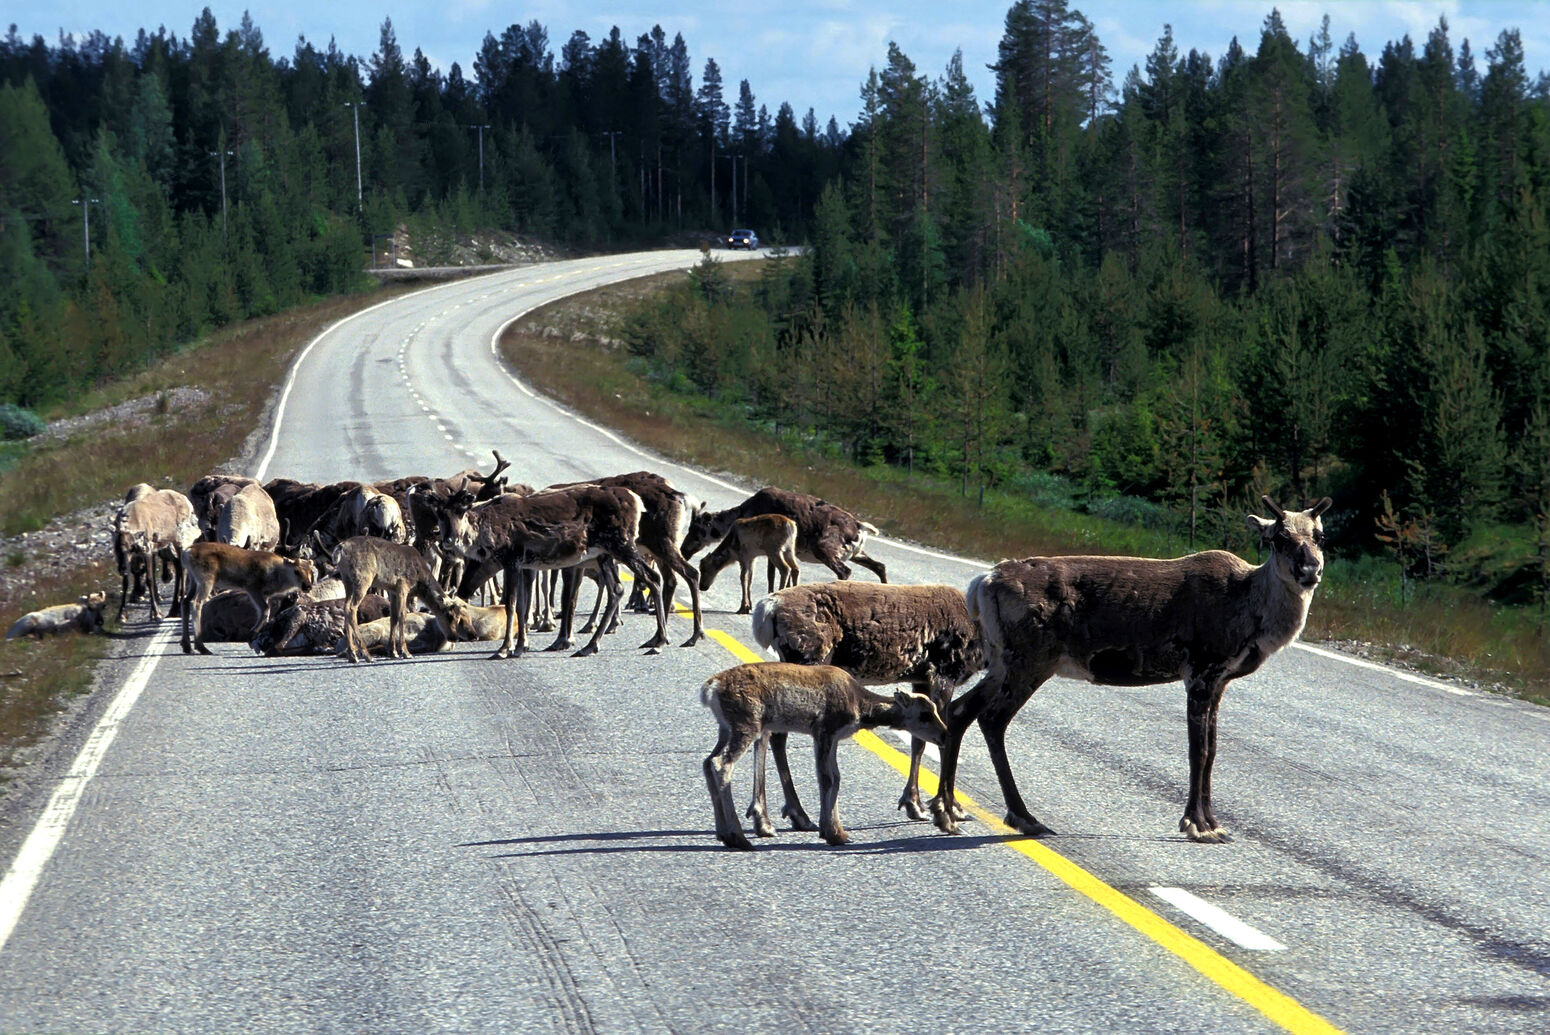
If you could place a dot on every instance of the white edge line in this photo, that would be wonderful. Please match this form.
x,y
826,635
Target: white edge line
x,y
1219,920
1386,670
27,867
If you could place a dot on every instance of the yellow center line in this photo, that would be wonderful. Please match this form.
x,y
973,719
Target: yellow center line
x,y
1277,1006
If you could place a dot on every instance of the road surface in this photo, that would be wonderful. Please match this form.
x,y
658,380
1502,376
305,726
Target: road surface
x,y
457,844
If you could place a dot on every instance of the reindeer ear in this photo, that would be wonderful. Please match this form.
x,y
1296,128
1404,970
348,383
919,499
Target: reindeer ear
x,y
1261,526
902,698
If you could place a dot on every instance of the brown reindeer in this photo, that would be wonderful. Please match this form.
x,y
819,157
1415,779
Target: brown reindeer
x,y
368,564
156,524
261,574
751,702
880,634
771,536
1207,619
664,523
827,534
546,531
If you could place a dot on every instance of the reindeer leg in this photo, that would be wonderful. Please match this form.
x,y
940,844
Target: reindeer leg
x,y
792,809
718,776
962,714
643,574
1204,696
615,593
745,576
825,754
876,567
758,806
570,590
685,570
993,723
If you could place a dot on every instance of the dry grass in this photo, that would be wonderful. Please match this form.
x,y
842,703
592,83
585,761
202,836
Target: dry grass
x,y
240,367
568,351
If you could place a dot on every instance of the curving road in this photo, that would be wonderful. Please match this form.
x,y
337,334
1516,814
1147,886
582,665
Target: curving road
x,y
455,844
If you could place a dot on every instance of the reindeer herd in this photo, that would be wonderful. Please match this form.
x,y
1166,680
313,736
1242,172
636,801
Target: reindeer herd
x,y
291,568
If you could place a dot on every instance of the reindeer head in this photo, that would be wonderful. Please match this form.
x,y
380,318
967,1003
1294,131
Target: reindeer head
x,y
306,573
452,516
918,717
1295,540
700,532
95,604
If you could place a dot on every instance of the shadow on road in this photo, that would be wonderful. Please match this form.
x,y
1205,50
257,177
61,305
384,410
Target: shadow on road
x,y
614,842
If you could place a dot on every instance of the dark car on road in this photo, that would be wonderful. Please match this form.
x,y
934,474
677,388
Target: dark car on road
x,y
743,239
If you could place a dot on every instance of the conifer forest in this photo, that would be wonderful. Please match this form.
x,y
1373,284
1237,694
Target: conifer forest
x,y
1297,267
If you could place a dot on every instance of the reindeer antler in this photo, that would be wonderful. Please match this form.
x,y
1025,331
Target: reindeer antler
x,y
1273,507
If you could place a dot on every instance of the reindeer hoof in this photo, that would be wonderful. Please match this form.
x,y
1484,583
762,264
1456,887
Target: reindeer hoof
x,y
202,649
799,819
836,837
737,841
656,641
1203,835
1026,825
943,817
911,806
585,652
699,635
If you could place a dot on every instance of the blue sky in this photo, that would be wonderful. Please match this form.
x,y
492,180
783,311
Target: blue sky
x,y
811,53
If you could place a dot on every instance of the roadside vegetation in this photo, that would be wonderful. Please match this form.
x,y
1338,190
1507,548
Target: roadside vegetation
x,y
578,351
236,372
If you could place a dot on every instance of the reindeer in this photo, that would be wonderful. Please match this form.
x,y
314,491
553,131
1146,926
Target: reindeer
x,y
827,534
368,564
664,523
772,536
261,574
880,634
550,530
248,519
158,523
83,616
1207,618
751,702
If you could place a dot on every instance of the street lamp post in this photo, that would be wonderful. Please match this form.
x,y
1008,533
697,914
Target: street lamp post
x,y
86,204
355,110
481,129
222,156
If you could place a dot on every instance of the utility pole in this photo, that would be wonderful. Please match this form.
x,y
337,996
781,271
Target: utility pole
x,y
222,156
86,204
613,161
481,129
355,107
733,159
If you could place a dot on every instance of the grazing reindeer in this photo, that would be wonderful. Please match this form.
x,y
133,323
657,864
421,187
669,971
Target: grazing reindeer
x,y
83,616
368,564
260,574
750,702
772,536
879,634
827,534
1207,619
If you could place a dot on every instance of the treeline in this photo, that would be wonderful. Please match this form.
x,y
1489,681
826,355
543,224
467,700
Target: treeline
x,y
1291,269
221,182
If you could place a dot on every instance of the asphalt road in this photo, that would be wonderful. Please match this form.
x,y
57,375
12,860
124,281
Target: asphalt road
x,y
457,844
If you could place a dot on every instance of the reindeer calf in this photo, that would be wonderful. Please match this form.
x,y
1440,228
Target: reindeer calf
x,y
367,564
260,574
750,702
85,615
773,536
422,634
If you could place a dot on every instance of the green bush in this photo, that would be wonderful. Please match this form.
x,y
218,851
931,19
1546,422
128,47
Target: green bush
x,y
16,422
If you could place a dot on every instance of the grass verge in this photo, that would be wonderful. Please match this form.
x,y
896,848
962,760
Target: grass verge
x,y
570,350
239,368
